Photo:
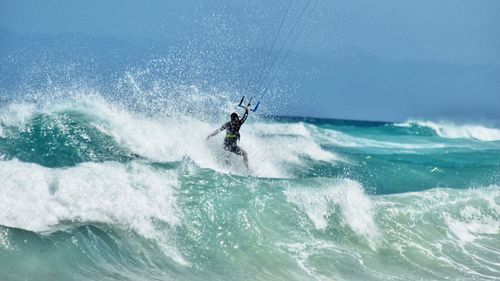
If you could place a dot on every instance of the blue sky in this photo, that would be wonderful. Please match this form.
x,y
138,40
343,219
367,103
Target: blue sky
x,y
376,60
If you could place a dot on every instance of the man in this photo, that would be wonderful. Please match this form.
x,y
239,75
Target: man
x,y
233,135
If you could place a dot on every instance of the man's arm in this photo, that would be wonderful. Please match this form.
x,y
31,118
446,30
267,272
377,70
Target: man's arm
x,y
244,118
218,131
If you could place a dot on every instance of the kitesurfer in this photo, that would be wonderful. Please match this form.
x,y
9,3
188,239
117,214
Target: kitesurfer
x,y
233,135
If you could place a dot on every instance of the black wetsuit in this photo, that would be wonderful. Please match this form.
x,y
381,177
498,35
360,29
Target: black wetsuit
x,y
233,135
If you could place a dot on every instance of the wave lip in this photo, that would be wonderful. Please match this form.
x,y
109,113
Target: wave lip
x,y
356,208
39,199
341,139
129,196
451,130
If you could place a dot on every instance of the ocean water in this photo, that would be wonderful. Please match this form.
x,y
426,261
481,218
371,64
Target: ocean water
x,y
95,189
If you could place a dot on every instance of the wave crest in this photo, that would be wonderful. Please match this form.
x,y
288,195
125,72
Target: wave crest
x,y
451,130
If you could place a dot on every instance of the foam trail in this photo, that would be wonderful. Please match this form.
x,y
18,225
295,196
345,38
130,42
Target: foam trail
x,y
275,147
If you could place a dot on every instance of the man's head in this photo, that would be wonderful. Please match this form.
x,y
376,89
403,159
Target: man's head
x,y
234,117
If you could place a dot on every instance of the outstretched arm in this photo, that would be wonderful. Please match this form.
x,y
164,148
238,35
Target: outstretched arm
x,y
245,116
218,131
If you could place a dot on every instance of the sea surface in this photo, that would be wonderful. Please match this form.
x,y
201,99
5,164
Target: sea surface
x,y
94,189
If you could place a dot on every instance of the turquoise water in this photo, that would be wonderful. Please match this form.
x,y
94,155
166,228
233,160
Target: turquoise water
x,y
93,190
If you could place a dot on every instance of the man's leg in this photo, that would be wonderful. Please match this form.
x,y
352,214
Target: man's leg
x,y
245,158
237,150
226,156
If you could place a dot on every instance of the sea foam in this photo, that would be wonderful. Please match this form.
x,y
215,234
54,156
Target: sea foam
x,y
132,196
454,131
273,149
356,208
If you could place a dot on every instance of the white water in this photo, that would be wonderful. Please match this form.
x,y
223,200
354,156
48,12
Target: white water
x,y
454,131
38,198
319,203
131,196
272,148
341,139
